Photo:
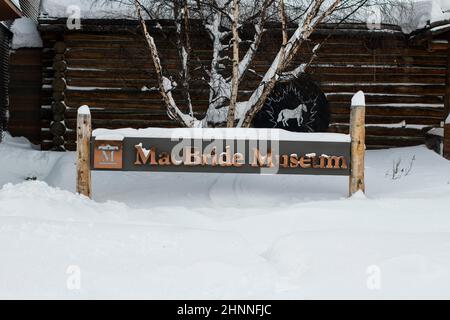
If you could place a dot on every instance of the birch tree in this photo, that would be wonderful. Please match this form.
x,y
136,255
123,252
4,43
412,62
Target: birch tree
x,y
224,21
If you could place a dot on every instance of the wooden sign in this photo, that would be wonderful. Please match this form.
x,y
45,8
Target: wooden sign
x,y
223,150
108,154
164,154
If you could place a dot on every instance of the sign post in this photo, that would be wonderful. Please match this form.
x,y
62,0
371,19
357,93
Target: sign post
x,y
222,150
358,145
84,132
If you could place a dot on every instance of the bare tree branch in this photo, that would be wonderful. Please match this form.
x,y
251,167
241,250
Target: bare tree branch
x,y
224,20
235,72
283,59
165,85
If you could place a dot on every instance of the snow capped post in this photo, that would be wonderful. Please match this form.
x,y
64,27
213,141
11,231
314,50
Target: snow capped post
x,y
357,134
84,132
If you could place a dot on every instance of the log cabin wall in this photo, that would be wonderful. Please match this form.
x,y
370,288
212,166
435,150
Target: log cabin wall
x,y
107,66
25,92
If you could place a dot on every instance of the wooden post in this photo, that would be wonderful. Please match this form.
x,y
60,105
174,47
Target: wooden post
x,y
84,131
358,146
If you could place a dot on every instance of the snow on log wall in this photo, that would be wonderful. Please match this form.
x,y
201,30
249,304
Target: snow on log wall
x,y
109,69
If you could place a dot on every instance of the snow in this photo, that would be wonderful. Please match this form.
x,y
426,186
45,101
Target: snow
x,y
191,236
408,105
223,133
442,27
79,88
415,15
436,132
110,137
401,124
145,89
439,10
25,34
88,9
358,99
84,110
167,84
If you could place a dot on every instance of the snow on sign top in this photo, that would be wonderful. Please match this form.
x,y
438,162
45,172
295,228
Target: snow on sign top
x,y
219,133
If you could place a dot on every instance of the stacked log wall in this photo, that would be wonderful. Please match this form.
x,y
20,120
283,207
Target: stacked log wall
x,y
109,69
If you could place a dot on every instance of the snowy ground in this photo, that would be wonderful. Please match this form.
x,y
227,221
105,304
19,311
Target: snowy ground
x,y
223,236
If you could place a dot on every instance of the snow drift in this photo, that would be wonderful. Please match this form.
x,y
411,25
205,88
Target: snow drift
x,y
191,236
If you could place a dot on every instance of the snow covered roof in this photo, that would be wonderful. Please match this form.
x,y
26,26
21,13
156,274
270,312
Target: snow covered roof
x,y
25,34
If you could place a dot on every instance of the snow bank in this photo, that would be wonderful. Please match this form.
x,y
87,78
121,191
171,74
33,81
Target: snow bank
x,y
19,161
200,236
220,133
25,34
105,241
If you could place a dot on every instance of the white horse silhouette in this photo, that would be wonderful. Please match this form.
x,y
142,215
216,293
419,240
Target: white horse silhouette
x,y
285,115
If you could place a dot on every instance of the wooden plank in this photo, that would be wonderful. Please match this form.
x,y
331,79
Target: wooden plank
x,y
423,90
389,119
374,68
117,79
384,99
376,78
90,49
26,56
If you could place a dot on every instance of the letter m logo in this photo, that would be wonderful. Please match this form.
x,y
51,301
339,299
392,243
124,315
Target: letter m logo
x,y
108,155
